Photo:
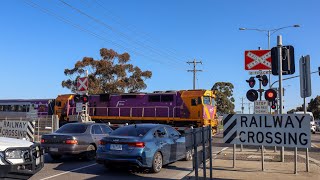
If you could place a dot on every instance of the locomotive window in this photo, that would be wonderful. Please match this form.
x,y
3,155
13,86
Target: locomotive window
x,y
206,100
166,98
128,96
1,108
213,102
193,102
154,98
199,100
58,103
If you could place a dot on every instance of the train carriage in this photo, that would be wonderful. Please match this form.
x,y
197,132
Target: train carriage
x,y
20,108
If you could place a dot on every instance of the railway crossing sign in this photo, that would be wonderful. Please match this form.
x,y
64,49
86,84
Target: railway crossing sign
x,y
82,84
257,60
288,130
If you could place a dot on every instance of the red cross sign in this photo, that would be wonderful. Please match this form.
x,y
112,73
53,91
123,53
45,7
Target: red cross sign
x,y
257,60
82,84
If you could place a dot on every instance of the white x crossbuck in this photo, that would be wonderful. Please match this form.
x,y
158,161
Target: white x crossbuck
x,y
82,84
259,60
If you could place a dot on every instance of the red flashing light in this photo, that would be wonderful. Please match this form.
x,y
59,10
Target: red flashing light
x,y
270,95
42,141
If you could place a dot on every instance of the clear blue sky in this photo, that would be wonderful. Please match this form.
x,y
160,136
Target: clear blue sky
x,y
160,36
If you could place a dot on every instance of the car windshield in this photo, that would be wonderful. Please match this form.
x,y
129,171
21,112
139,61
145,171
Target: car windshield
x,y
137,131
72,128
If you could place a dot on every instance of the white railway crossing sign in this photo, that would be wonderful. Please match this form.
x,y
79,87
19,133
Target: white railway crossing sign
x,y
82,84
258,60
288,130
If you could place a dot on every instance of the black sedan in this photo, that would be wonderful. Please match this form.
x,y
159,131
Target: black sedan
x,y
79,139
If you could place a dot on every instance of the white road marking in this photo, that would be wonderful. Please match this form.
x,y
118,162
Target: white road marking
x,y
69,171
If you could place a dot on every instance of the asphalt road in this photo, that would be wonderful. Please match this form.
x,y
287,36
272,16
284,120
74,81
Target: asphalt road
x,y
76,169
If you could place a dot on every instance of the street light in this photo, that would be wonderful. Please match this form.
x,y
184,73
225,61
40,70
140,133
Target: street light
x,y
269,31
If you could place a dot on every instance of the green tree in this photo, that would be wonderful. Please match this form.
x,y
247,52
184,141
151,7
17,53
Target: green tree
x,y
314,107
111,74
224,97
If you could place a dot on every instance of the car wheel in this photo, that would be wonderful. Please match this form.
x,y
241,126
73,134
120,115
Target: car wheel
x,y
157,162
91,153
189,155
55,156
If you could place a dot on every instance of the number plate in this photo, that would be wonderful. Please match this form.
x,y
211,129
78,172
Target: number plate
x,y
53,149
117,147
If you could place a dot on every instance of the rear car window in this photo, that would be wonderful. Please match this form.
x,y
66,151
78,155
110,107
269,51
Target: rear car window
x,y
73,128
137,131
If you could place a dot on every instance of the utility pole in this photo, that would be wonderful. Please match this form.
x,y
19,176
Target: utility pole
x,y
249,106
242,108
194,62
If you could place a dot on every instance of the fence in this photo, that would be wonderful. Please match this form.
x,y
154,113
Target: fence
x,y
36,127
199,141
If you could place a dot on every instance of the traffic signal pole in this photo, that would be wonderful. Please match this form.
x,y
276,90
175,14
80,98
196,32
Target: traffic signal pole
x,y
279,45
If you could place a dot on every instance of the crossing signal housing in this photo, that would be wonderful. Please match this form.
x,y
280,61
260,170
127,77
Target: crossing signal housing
x,y
251,82
273,105
252,95
85,99
81,98
77,98
270,95
264,80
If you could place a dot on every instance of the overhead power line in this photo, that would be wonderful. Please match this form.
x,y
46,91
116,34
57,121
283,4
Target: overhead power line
x,y
116,31
134,29
49,12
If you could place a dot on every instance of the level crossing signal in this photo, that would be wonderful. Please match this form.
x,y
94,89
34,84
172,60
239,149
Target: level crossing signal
x,y
251,82
252,95
264,80
81,98
270,95
273,104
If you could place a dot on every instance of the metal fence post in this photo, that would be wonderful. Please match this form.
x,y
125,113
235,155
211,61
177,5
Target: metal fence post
x,y
210,149
295,160
203,153
194,133
234,155
38,130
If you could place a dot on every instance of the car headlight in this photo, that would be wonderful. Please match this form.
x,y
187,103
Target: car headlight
x,y
14,153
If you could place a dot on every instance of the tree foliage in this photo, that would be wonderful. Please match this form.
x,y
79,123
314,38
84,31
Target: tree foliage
x,y
111,74
224,97
313,106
